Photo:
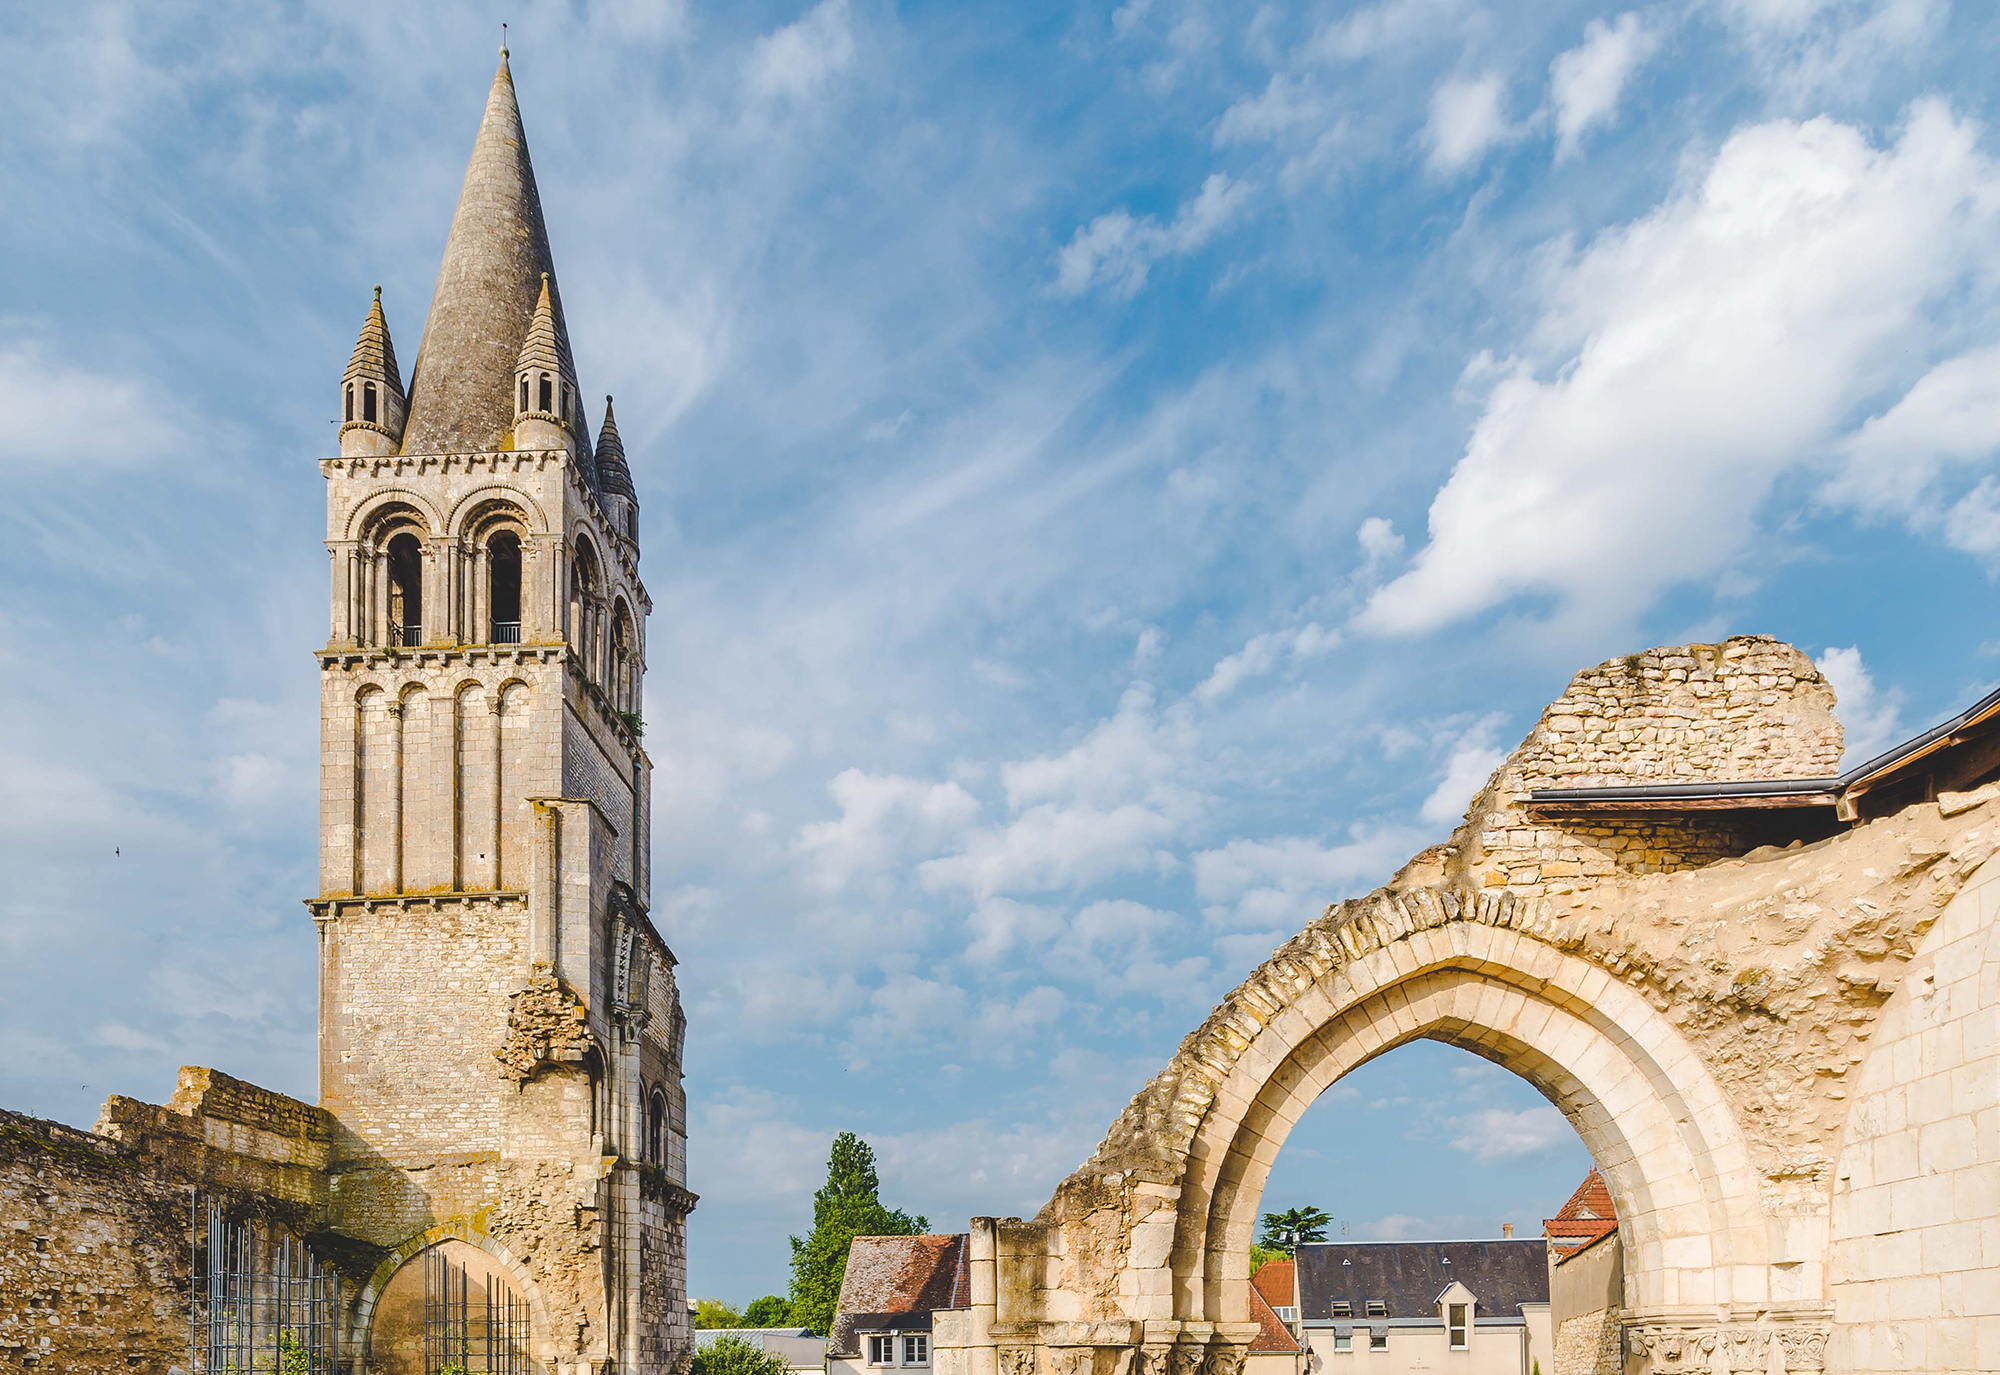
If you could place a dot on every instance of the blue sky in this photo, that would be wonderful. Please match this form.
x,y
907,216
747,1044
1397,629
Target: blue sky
x,y
1113,481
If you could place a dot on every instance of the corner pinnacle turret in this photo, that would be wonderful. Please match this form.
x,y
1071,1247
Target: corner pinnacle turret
x,y
496,264
372,404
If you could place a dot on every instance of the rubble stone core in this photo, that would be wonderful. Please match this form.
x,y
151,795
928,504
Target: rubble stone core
x,y
1784,1060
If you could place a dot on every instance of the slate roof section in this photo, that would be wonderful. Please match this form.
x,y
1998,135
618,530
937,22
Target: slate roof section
x,y
1587,1218
614,478
461,393
374,352
1272,1334
1275,1280
1408,1276
895,1283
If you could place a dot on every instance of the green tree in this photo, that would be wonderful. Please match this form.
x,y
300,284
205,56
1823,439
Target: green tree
x,y
845,1207
1261,1256
735,1356
1284,1231
769,1311
715,1313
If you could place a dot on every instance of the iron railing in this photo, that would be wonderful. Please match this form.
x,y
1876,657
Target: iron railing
x,y
260,1301
477,1327
506,632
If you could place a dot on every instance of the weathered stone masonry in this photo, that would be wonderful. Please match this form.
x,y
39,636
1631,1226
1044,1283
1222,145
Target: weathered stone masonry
x,y
500,1028
1785,1058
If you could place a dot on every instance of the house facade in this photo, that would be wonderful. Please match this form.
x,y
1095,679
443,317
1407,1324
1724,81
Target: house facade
x,y
1385,1307
892,1286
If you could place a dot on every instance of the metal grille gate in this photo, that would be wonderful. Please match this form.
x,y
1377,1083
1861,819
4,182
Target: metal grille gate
x,y
471,1327
260,1302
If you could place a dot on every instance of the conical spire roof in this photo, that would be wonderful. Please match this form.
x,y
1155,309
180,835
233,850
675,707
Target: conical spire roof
x,y
374,353
614,478
461,394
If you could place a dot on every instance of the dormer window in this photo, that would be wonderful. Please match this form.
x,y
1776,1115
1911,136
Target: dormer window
x,y
1377,1309
1342,1308
1458,1325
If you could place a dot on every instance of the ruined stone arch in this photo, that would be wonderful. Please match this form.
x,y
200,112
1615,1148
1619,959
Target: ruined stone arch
x,y
1653,1118
459,1229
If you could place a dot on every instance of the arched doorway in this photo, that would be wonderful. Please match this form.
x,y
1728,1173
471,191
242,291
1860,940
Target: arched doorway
x,y
451,1307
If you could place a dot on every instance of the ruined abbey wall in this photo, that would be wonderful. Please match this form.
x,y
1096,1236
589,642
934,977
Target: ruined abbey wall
x,y
98,1234
1916,1183
1781,1056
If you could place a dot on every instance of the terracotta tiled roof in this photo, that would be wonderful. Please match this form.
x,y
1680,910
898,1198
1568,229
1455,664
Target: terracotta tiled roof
x,y
1589,1216
1275,1280
896,1283
1272,1335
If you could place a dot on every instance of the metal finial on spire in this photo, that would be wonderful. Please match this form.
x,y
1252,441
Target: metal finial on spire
x,y
503,38
378,291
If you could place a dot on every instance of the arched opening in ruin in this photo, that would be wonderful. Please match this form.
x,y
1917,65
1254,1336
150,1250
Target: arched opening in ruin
x,y
451,1306
1616,1069
1435,1168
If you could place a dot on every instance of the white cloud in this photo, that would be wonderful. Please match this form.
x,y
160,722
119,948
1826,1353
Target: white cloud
x,y
1386,26
82,416
1262,654
1903,462
1497,1134
795,61
1586,82
1473,759
882,817
119,1036
1000,925
1116,251
1805,47
1380,544
1100,808
1466,119
1691,357
1871,719
1286,882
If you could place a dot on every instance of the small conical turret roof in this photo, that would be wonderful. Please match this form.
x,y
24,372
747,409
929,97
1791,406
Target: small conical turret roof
x,y
544,349
614,478
374,353
461,394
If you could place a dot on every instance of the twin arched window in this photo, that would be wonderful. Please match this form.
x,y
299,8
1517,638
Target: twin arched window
x,y
368,403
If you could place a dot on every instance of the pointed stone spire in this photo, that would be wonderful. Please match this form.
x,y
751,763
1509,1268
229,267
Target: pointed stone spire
x,y
614,478
371,390
495,263
545,350
374,352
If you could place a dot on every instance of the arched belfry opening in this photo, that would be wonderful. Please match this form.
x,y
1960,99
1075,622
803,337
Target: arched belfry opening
x,y
406,590
503,562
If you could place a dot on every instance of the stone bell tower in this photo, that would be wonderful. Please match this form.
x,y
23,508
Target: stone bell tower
x,y
500,1032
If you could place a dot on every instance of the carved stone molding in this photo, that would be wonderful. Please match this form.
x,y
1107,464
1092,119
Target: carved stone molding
x,y
1790,1348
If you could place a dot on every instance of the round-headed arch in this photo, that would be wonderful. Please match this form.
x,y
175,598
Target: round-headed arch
x,y
460,1229
384,513
479,512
